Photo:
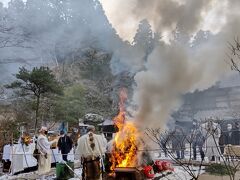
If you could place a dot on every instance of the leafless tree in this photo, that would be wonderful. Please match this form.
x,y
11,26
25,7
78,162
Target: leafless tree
x,y
7,127
229,159
187,164
234,54
11,36
1,92
234,112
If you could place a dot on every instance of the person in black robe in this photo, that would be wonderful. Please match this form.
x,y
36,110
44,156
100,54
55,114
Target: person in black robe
x,y
65,145
236,133
228,135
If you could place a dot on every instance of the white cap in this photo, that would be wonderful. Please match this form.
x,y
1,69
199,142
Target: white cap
x,y
91,128
43,128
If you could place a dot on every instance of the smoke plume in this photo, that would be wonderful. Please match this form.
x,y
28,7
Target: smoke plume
x,y
163,15
176,68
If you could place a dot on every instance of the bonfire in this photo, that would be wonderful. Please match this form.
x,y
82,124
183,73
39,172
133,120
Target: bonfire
x,y
126,154
125,143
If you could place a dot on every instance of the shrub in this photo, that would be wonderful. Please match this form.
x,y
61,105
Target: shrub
x,y
220,170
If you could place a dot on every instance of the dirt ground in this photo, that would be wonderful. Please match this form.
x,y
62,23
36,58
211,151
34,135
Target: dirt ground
x,y
206,176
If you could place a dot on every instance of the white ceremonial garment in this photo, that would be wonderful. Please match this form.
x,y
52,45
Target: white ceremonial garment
x,y
43,145
212,140
84,149
17,158
6,152
103,143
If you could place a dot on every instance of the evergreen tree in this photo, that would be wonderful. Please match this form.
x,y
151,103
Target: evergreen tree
x,y
180,36
200,38
156,39
144,37
38,82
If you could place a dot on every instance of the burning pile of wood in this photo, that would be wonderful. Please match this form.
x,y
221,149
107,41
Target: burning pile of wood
x,y
125,155
125,143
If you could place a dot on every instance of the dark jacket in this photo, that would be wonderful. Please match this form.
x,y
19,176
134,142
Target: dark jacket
x,y
228,137
178,140
236,136
196,137
65,144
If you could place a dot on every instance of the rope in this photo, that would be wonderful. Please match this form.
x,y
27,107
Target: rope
x,y
139,150
71,170
54,156
25,157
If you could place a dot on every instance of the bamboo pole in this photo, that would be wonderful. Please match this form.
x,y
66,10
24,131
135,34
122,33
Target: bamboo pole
x,y
11,167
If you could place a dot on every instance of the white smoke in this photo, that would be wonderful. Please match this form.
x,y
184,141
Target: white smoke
x,y
163,15
172,72
175,69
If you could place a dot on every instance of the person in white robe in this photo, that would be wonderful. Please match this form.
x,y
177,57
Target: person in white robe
x,y
43,146
90,149
211,132
103,142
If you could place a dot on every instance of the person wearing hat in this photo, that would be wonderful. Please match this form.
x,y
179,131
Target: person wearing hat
x,y
211,131
65,145
43,146
89,150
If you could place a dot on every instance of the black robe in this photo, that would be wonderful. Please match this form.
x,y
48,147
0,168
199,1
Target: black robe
x,y
65,144
228,138
236,136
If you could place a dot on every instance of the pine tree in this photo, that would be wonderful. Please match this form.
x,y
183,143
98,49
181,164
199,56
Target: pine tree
x,y
144,37
38,82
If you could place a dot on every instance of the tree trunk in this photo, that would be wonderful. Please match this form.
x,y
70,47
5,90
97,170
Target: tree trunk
x,y
37,112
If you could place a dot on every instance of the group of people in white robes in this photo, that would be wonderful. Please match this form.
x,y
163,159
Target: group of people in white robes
x,y
90,150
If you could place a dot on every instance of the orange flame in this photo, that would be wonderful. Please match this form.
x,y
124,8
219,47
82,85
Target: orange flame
x,y
124,152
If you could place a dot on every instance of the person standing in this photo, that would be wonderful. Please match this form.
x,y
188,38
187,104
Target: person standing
x,y
164,138
90,149
236,133
228,135
43,146
197,140
65,145
178,142
212,132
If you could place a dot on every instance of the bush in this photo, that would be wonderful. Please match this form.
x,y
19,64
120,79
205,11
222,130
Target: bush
x,y
220,170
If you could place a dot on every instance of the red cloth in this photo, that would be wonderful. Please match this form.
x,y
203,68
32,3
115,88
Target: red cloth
x,y
159,166
147,172
167,166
